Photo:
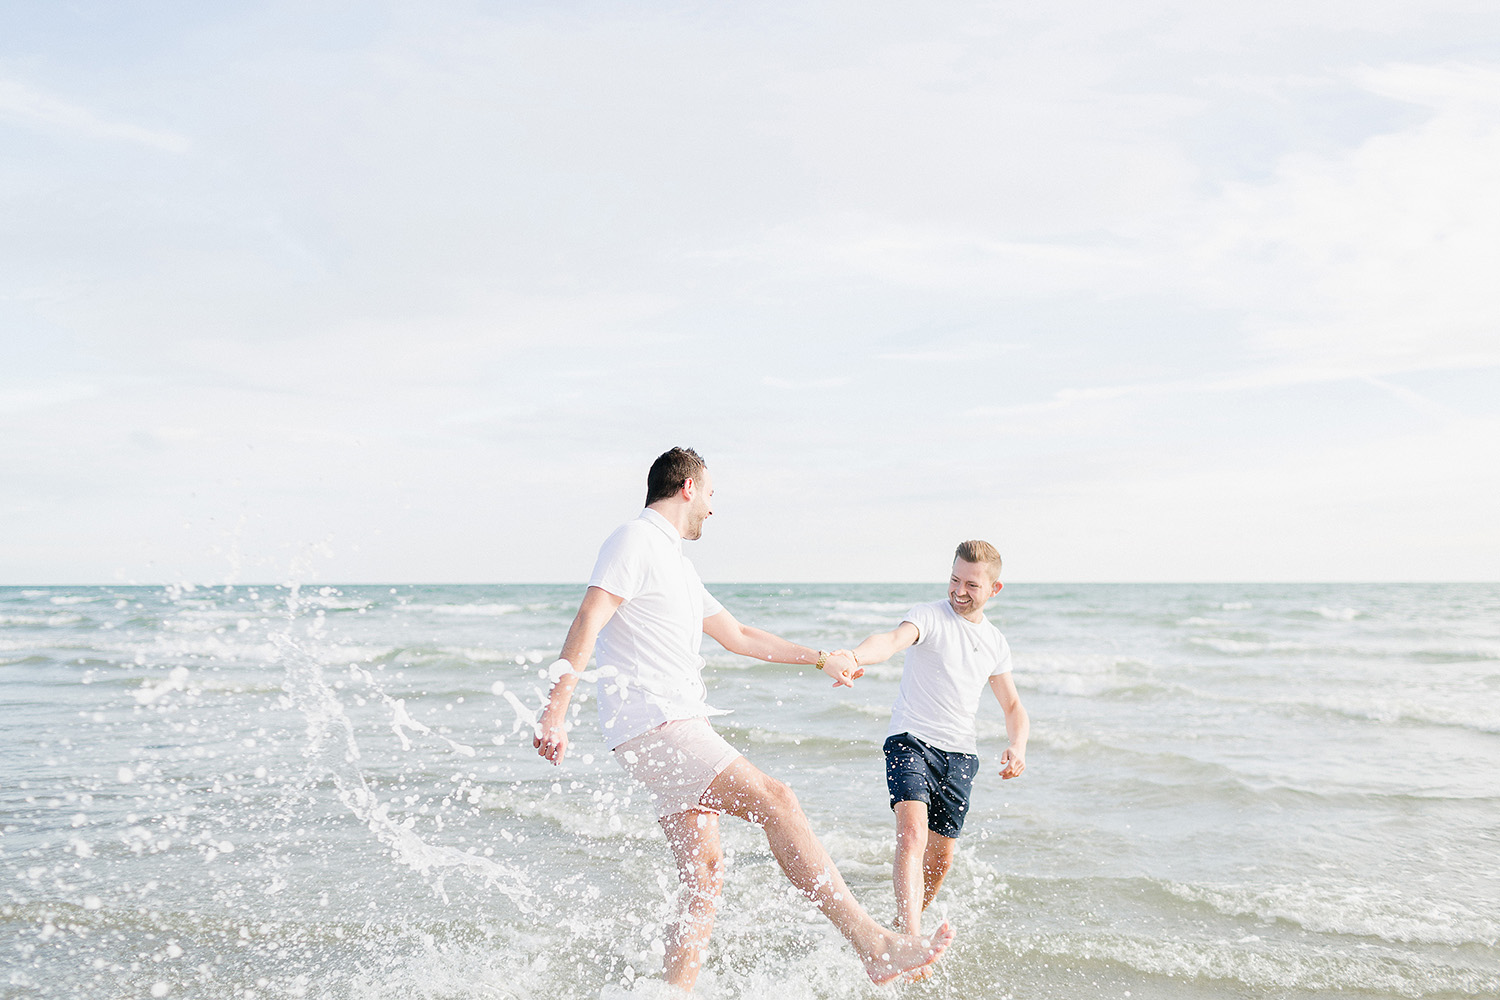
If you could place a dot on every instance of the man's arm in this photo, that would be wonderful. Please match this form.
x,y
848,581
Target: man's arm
x,y
598,607
883,645
1017,724
750,641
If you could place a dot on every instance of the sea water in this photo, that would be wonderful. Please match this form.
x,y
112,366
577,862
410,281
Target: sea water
x,y
1231,791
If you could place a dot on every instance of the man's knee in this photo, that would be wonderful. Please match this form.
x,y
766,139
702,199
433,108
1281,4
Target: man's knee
x,y
939,854
911,820
702,872
775,800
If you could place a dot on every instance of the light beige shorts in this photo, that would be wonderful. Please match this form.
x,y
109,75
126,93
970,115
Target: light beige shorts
x,y
677,761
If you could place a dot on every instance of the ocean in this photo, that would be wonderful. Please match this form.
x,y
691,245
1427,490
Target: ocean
x,y
271,791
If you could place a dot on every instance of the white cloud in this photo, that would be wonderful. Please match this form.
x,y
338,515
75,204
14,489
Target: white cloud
x,y
1384,255
801,385
43,393
25,105
473,270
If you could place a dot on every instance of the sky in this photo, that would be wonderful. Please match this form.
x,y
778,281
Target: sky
x,y
363,292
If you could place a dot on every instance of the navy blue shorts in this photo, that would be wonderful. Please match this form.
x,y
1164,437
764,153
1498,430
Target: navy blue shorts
x,y
918,772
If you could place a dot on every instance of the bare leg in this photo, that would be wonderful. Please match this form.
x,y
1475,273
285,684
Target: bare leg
x,y
743,790
907,874
936,861
694,839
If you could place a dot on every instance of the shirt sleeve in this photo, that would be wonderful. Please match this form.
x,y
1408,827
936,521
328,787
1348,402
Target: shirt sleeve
x,y
1002,662
621,566
711,607
921,617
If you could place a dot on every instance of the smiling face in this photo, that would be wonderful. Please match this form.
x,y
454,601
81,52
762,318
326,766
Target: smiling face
x,y
970,587
700,505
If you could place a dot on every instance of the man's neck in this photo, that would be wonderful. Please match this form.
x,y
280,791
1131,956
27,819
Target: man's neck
x,y
674,514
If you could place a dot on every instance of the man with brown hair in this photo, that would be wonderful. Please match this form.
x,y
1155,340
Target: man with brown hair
x,y
930,751
647,610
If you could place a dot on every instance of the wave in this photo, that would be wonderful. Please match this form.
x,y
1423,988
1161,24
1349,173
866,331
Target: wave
x,y
883,608
49,621
1088,675
1267,968
1476,651
472,610
871,621
1372,910
25,661
1476,716
604,813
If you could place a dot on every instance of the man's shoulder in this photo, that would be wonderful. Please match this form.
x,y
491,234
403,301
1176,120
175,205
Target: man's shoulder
x,y
631,542
926,609
634,531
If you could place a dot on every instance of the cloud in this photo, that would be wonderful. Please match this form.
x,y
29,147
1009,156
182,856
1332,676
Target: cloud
x,y
43,393
387,288
23,104
956,354
1383,254
804,384
1374,373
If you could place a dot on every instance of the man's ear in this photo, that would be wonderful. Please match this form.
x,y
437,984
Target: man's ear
x,y
998,587
689,487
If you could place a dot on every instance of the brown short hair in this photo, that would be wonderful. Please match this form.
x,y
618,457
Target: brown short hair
x,y
977,551
671,469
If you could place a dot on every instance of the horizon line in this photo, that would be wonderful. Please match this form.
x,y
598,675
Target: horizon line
x,y
736,583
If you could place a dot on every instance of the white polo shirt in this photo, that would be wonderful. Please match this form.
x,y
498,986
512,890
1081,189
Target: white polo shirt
x,y
654,637
944,676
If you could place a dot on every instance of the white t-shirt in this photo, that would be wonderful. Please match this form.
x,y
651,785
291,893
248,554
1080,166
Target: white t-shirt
x,y
945,674
653,639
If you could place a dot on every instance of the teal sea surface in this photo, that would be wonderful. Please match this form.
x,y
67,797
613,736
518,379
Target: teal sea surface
x,y
1232,790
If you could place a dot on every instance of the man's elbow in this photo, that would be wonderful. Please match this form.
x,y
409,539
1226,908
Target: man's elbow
x,y
735,641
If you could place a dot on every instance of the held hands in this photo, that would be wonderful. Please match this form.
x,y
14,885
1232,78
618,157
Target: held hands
x,y
1012,762
843,668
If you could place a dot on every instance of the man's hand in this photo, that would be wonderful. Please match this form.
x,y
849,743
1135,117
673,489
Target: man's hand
x,y
842,667
1012,762
551,739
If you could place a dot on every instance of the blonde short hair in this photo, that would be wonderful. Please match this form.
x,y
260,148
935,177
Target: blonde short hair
x,y
977,551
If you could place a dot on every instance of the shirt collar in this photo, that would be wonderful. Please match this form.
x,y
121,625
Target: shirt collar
x,y
654,519
983,618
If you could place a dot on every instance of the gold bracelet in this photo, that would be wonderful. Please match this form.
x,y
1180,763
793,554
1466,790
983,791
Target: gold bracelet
x,y
822,659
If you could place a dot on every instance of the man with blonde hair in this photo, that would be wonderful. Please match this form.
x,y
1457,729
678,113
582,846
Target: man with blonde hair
x,y
931,752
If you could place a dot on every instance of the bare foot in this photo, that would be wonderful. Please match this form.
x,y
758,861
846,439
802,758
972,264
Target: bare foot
x,y
918,974
900,953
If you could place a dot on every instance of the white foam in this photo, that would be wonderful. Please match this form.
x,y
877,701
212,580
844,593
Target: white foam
x,y
1231,646
1479,715
150,693
479,610
1367,910
51,621
883,607
862,618
1079,674
1264,967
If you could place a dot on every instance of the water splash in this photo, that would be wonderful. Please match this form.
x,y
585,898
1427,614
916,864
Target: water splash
x,y
333,750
